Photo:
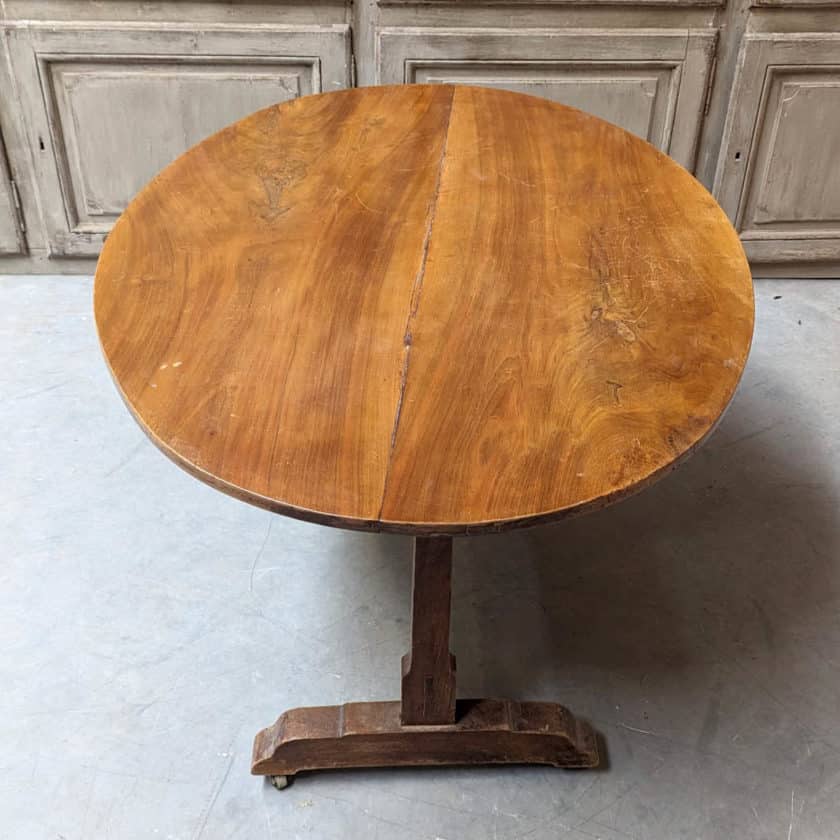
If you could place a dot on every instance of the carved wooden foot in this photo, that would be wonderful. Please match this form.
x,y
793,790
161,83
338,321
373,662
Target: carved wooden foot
x,y
371,735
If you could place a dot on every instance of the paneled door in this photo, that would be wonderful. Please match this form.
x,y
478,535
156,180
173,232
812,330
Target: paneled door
x,y
11,236
107,108
651,82
778,174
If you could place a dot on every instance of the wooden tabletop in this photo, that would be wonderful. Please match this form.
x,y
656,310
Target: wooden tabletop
x,y
427,309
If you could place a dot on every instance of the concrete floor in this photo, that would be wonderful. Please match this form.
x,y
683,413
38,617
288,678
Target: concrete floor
x,y
150,625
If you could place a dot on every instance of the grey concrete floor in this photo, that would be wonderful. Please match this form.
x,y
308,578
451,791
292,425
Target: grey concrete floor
x,y
150,625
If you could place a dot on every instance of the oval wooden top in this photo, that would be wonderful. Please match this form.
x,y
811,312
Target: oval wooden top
x,y
427,309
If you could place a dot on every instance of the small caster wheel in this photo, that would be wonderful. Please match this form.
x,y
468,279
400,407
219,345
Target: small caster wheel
x,y
280,782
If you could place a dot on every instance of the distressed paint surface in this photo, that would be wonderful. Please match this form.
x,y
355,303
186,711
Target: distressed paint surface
x,y
777,174
10,242
797,184
108,166
425,308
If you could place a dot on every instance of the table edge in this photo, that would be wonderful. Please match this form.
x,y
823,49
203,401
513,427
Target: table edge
x,y
374,525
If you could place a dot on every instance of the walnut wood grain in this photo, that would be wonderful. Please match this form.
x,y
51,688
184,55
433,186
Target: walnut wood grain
x,y
426,309
428,669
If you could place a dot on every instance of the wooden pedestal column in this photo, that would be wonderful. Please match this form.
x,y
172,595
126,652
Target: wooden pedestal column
x,y
427,726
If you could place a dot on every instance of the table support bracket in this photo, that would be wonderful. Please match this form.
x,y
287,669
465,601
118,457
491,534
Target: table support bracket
x,y
427,726
428,669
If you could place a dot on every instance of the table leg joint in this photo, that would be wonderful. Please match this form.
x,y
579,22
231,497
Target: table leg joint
x,y
426,726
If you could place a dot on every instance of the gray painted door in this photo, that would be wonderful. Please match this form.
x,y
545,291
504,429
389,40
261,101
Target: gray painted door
x,y
778,173
652,83
11,240
108,108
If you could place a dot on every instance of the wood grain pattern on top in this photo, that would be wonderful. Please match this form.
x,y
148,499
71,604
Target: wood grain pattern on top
x,y
425,309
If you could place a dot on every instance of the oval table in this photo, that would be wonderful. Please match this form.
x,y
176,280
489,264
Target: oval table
x,y
433,310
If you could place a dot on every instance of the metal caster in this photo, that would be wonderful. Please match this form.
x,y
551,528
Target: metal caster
x,y
280,782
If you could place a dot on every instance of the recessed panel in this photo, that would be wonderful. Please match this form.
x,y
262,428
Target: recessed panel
x,y
652,82
10,240
795,183
635,97
778,177
120,122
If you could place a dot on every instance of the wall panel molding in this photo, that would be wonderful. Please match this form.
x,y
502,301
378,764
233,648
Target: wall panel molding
x,y
182,98
744,93
796,4
11,235
778,176
105,108
650,81
640,3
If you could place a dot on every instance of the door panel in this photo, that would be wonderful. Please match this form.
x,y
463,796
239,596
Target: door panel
x,y
107,109
652,83
11,238
778,176
96,106
640,99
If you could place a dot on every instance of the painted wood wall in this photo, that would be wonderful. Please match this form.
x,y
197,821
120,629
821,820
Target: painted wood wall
x,y
96,97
